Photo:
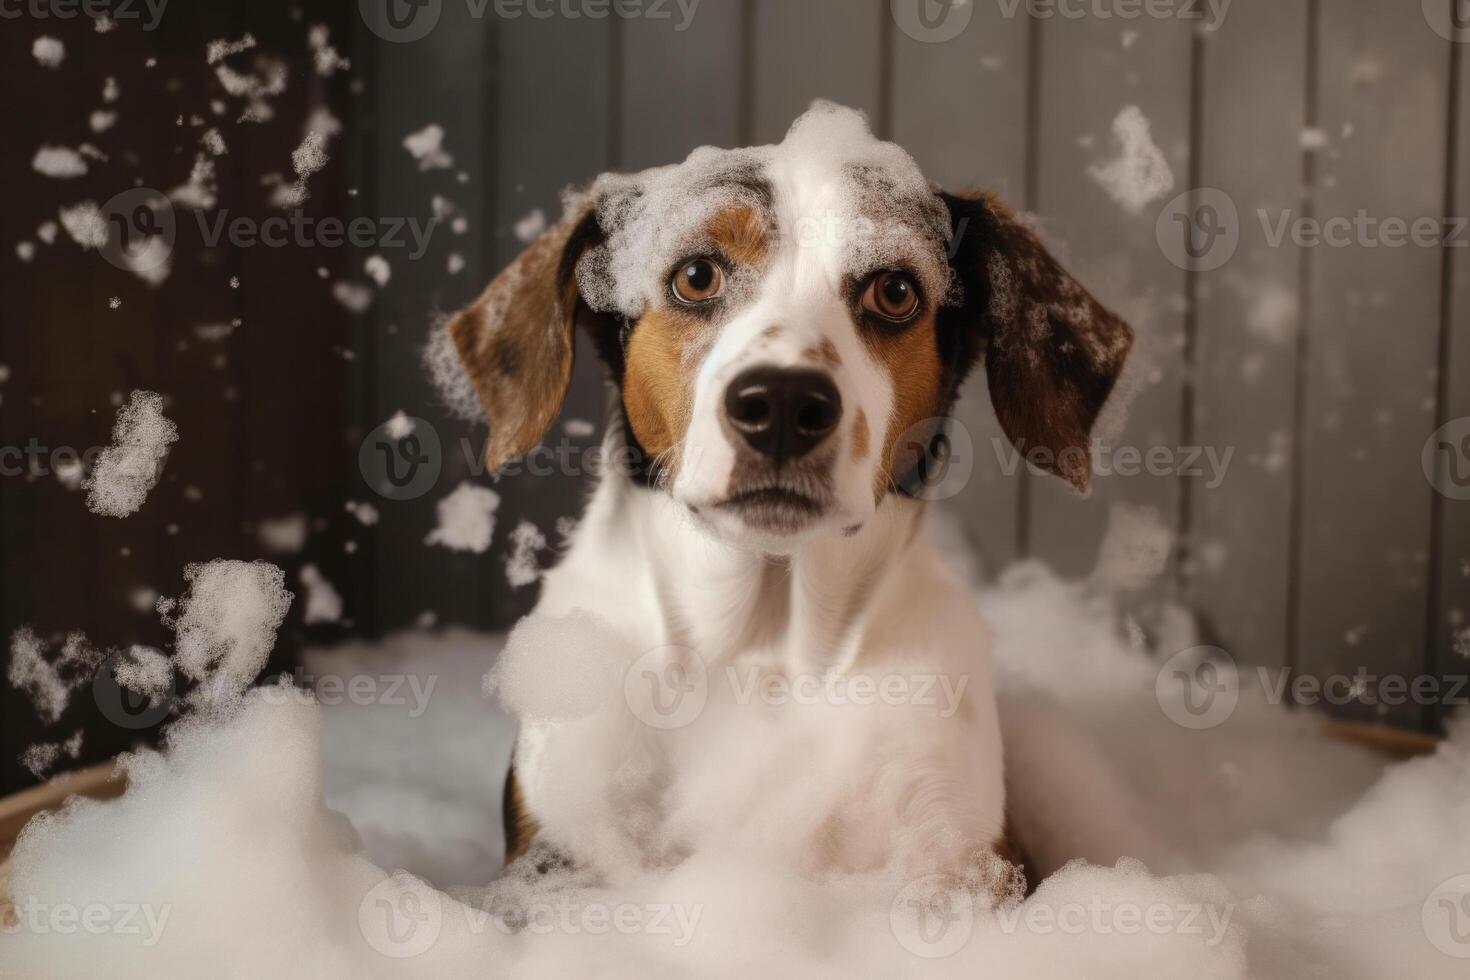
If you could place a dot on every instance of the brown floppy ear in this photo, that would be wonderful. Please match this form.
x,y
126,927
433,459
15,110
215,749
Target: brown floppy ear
x,y
1052,352
516,340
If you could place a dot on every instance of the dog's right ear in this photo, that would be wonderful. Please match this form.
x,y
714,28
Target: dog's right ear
x,y
516,340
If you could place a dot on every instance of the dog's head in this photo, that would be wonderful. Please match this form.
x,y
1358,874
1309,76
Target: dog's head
x,y
776,318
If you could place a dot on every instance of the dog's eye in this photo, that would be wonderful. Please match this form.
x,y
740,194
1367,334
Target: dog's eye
x,y
892,295
697,281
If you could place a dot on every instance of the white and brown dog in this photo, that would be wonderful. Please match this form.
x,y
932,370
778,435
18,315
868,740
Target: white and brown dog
x,y
778,322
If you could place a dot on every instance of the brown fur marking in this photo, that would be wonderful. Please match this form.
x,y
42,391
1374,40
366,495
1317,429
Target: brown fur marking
x,y
520,826
860,435
740,232
658,390
911,358
824,353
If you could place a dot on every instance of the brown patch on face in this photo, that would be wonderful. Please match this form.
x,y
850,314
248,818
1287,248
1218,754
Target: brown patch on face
x,y
770,333
824,353
740,231
911,358
658,386
860,435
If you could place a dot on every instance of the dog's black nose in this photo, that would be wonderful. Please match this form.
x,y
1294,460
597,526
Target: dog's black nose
x,y
783,414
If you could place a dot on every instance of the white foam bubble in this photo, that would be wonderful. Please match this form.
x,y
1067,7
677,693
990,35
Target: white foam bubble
x,y
1138,173
129,468
466,519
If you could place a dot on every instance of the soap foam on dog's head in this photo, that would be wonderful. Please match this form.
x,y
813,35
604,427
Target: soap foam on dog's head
x,y
830,183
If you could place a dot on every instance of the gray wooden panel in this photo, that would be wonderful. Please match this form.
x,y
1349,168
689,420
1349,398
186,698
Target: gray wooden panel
x,y
1373,322
1092,69
1253,111
553,119
1450,626
959,106
828,49
681,89
437,79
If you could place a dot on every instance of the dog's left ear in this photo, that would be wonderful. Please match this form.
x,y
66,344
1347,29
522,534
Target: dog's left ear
x,y
516,340
1052,352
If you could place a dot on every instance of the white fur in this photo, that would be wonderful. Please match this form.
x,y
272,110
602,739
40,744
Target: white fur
x,y
833,786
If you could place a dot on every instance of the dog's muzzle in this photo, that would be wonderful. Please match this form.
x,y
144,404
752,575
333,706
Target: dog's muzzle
x,y
781,421
783,414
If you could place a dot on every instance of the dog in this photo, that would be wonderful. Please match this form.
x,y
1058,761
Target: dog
x,y
785,328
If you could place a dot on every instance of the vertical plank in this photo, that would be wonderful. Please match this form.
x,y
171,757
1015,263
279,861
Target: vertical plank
x,y
1450,606
1372,351
436,79
681,88
1253,112
959,106
1095,67
553,130
827,49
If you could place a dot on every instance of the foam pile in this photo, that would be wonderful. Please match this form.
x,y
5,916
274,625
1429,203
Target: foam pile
x,y
1270,851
